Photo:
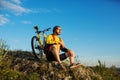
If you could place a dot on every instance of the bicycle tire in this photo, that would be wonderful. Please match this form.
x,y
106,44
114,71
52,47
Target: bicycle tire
x,y
37,51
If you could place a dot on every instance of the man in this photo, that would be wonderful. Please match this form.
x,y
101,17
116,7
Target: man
x,y
53,46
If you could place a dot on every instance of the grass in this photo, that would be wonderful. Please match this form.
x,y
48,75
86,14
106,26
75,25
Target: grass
x,y
3,48
111,73
21,65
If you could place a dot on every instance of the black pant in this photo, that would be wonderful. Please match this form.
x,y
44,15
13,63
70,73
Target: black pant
x,y
51,57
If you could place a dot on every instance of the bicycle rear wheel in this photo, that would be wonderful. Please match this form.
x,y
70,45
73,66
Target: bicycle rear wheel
x,y
37,50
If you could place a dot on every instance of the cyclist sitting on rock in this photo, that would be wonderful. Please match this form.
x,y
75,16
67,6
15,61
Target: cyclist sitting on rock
x,y
53,46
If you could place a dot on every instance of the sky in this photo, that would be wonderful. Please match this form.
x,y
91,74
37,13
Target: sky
x,y
91,28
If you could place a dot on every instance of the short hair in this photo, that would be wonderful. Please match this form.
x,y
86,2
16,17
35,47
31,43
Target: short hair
x,y
55,27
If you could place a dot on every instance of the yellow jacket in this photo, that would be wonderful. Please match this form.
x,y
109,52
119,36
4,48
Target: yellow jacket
x,y
53,39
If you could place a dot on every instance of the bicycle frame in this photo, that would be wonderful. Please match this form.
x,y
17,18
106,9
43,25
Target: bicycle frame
x,y
38,42
42,42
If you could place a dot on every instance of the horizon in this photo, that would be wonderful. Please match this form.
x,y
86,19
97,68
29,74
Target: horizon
x,y
90,28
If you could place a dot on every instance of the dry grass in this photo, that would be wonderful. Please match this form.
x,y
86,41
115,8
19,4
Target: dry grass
x,y
21,65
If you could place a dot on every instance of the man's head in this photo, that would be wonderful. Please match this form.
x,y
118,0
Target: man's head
x,y
57,30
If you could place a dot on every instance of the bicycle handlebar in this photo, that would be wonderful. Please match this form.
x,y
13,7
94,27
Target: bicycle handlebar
x,y
47,29
42,31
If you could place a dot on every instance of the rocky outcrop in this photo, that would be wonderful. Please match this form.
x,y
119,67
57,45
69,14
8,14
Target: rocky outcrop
x,y
26,63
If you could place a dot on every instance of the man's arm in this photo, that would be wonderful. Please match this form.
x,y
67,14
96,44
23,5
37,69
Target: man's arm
x,y
62,47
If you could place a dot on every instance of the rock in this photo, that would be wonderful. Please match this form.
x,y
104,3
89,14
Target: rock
x,y
49,70
35,65
16,67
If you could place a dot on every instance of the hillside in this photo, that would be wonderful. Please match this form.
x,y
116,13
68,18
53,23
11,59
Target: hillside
x,y
21,65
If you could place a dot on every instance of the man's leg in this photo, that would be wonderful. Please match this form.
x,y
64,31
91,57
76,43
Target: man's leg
x,y
56,54
71,56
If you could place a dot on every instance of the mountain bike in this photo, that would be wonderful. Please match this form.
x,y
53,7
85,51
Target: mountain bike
x,y
38,42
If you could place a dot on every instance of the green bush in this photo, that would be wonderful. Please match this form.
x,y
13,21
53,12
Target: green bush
x,y
106,73
3,48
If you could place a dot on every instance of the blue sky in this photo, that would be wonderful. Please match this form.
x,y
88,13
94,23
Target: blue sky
x,y
89,27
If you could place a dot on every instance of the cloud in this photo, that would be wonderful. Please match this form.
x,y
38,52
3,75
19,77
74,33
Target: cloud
x,y
26,22
3,20
17,1
41,10
45,10
14,6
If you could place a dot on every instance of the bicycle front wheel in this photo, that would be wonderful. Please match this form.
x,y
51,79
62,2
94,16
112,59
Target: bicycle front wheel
x,y
37,50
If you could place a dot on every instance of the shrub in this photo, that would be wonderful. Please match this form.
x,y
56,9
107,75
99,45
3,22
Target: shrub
x,y
3,49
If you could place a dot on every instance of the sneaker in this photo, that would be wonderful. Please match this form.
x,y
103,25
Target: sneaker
x,y
75,65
